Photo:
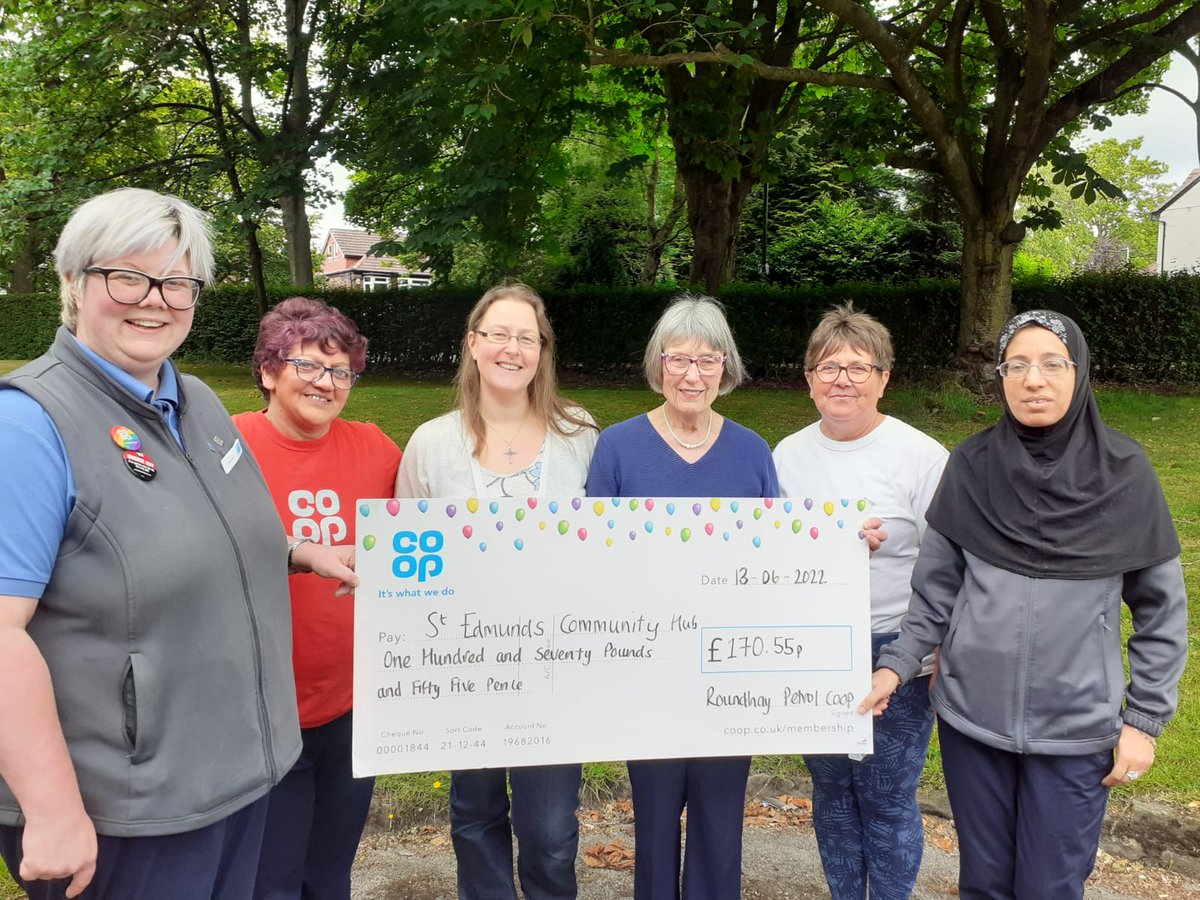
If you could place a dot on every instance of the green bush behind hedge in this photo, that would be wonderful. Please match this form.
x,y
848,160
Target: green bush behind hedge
x,y
1140,328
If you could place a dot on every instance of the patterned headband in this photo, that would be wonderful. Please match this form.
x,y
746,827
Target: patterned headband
x,y
1036,317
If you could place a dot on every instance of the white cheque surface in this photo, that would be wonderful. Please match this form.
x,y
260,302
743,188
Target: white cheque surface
x,y
531,631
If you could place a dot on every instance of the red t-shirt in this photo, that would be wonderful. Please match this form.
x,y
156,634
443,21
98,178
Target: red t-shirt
x,y
314,485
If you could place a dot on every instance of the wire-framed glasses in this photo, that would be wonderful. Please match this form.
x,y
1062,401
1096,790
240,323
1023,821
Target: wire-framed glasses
x,y
1050,367
856,372
679,363
130,287
525,341
312,372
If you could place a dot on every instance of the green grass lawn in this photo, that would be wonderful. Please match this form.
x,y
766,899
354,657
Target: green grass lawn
x,y
1164,423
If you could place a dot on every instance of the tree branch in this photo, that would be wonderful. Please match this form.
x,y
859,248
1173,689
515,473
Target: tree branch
x,y
914,37
1194,104
1112,29
604,56
956,167
1104,84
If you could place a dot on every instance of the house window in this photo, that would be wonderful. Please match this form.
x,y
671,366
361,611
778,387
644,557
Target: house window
x,y
376,282
413,281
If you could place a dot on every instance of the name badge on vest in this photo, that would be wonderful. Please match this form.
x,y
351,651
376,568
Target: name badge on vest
x,y
230,459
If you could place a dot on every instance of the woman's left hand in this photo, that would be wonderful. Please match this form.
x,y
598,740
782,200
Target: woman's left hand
x,y
329,562
1135,755
873,533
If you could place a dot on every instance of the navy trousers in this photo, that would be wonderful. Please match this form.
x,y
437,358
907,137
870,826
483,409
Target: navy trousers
x,y
544,801
714,791
315,817
213,863
1028,824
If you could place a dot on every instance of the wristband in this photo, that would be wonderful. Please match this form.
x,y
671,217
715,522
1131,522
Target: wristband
x,y
292,549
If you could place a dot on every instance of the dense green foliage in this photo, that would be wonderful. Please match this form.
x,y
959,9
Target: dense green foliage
x,y
601,332
1110,232
1139,328
27,324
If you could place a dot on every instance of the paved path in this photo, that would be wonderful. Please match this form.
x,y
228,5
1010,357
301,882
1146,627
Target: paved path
x,y
779,863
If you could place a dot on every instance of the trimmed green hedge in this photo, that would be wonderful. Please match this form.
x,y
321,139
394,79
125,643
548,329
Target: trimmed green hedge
x,y
1140,328
27,324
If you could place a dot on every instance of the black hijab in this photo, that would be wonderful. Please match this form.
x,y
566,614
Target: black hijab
x,y
1071,500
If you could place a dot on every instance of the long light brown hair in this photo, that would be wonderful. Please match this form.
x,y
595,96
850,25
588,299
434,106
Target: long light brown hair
x,y
554,410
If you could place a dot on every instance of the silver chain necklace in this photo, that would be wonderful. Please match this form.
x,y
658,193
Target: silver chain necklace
x,y
682,443
510,452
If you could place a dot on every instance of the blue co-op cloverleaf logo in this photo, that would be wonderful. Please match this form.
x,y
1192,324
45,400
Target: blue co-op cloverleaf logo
x,y
418,555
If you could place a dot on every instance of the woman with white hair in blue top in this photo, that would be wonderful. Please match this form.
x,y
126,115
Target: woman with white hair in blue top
x,y
684,448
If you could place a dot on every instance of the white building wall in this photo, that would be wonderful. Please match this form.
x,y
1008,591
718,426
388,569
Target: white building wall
x,y
1179,234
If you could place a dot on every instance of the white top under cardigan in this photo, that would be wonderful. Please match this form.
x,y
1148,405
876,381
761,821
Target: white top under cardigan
x,y
439,461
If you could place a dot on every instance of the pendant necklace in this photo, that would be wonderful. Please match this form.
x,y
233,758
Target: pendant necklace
x,y
682,443
509,452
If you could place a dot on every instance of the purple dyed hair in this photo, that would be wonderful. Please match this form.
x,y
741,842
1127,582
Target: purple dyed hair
x,y
299,320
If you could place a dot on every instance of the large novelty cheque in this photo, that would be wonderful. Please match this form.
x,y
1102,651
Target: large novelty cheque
x,y
533,631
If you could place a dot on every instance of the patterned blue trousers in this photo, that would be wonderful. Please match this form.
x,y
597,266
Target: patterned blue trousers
x,y
865,812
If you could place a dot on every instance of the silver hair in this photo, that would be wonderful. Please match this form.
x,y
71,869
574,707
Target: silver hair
x,y
694,319
128,220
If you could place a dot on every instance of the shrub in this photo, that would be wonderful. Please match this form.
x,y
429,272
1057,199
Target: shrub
x,y
1139,328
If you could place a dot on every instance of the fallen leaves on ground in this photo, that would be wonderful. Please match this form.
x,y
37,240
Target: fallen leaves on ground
x,y
608,856
940,832
1140,880
619,812
783,811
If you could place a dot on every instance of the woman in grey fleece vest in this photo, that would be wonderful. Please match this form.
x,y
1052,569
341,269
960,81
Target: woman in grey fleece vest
x,y
1042,525
146,684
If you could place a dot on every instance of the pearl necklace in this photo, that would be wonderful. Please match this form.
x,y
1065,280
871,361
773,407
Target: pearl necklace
x,y
510,452
682,443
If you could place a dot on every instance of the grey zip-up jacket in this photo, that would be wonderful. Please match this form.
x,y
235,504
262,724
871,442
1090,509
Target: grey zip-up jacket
x,y
166,625
1033,665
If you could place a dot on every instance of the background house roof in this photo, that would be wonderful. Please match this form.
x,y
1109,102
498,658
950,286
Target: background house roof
x,y
354,244
352,241
1193,176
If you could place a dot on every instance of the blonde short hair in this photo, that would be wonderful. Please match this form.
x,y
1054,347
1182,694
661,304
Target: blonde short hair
x,y
845,325
128,220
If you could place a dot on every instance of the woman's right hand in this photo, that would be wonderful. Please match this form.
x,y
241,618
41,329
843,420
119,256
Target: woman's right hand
x,y
883,684
59,840
873,534
60,846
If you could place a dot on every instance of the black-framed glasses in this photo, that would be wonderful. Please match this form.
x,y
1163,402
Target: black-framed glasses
x,y
312,372
679,363
1050,367
856,372
130,287
500,336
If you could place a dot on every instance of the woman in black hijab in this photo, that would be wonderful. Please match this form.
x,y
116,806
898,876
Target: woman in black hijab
x,y
1041,526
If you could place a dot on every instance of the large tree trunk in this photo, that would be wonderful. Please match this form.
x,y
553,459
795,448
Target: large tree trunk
x,y
715,207
659,234
988,247
298,234
294,129
250,230
24,263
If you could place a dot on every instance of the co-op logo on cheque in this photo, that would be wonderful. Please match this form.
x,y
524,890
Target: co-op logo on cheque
x,y
418,554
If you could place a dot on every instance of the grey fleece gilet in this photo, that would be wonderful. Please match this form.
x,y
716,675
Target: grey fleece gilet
x,y
166,624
